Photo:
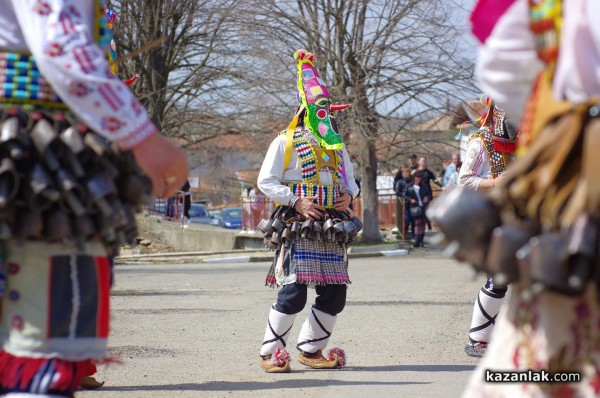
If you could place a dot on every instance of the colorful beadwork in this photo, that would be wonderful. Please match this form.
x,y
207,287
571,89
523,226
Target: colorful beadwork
x,y
499,161
545,21
102,31
21,82
309,162
306,157
327,194
20,78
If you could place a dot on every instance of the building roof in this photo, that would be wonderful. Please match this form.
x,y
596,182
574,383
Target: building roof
x,y
247,177
468,111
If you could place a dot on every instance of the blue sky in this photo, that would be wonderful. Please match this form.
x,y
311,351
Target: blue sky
x,y
463,10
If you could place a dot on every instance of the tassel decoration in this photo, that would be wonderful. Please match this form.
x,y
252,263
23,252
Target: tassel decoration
x,y
281,357
131,80
504,146
338,353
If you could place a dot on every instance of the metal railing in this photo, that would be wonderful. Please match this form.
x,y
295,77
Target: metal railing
x,y
390,207
255,209
391,210
170,208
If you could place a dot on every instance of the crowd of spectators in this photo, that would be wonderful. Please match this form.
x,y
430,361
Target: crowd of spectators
x,y
412,184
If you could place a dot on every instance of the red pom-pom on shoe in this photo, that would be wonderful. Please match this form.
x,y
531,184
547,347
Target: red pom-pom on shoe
x,y
338,353
281,357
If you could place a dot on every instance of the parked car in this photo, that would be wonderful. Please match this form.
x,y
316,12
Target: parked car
x,y
215,215
231,218
199,214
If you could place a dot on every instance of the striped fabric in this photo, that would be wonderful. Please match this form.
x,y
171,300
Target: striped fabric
x,y
339,174
310,262
327,194
58,301
91,279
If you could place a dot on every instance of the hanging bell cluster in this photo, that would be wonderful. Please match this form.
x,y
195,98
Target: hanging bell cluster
x,y
563,261
61,182
286,225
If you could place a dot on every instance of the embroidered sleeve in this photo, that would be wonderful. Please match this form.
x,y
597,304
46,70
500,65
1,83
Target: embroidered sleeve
x,y
471,170
271,173
76,67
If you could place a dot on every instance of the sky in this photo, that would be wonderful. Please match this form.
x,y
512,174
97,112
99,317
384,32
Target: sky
x,y
463,11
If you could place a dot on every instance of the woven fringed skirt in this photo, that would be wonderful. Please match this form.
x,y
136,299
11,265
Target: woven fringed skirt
x,y
309,262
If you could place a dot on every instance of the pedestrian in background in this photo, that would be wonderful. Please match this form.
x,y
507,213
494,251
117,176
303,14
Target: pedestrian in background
x,y
451,170
402,181
257,205
418,196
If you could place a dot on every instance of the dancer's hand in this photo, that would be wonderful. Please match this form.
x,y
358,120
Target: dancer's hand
x,y
164,162
308,209
343,201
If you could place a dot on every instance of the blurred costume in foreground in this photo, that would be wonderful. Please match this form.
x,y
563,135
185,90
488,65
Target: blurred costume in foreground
x,y
543,225
307,171
111,18
69,188
89,382
489,152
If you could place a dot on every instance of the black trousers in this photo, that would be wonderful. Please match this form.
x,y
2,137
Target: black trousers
x,y
291,299
187,203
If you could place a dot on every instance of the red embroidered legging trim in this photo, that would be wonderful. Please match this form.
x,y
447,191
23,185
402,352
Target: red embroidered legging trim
x,y
56,375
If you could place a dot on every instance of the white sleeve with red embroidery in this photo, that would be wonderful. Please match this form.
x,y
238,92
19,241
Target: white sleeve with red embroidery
x,y
60,36
476,165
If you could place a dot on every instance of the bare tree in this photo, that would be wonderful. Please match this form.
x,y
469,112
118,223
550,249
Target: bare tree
x,y
392,60
184,51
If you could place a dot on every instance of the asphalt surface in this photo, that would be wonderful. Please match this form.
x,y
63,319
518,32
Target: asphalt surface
x,y
194,330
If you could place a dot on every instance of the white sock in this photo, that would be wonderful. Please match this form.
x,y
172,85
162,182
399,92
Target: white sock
x,y
277,332
485,310
315,331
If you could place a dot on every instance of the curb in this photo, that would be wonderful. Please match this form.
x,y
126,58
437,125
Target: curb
x,y
241,258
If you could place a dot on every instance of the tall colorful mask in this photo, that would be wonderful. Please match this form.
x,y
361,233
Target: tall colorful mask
x,y
315,100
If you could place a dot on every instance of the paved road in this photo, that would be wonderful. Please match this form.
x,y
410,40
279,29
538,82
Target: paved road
x,y
194,330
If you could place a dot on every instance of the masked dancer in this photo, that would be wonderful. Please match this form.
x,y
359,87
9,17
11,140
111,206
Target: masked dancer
x,y
308,173
489,152
540,60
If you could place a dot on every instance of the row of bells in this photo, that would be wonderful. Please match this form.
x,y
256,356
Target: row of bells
x,y
286,225
564,261
60,181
